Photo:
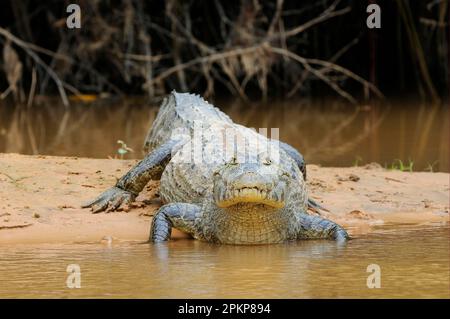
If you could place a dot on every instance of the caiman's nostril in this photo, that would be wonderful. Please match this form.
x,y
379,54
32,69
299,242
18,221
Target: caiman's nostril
x,y
285,174
233,161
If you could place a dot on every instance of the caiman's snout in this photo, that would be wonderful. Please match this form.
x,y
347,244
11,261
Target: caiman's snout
x,y
249,187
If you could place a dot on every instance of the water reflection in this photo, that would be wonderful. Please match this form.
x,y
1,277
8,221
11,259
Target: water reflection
x,y
244,267
414,263
328,133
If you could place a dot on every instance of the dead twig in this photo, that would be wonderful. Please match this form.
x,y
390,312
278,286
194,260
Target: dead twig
x,y
59,83
327,14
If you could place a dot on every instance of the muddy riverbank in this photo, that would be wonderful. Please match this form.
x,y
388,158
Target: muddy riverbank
x,y
40,199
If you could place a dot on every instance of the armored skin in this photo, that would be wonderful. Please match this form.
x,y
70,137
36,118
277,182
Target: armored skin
x,y
220,182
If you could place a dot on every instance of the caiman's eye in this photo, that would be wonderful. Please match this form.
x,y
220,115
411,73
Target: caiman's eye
x,y
267,161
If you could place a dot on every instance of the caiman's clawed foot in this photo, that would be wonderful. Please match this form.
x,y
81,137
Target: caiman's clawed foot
x,y
110,200
316,207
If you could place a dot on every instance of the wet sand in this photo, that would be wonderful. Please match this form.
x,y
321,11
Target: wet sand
x,y
40,198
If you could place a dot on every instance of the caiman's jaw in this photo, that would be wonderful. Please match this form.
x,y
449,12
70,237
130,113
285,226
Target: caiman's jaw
x,y
250,183
250,195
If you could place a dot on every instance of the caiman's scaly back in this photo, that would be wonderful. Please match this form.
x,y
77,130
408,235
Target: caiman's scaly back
x,y
180,110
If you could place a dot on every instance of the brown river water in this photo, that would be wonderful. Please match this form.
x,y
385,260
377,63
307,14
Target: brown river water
x,y
327,133
413,261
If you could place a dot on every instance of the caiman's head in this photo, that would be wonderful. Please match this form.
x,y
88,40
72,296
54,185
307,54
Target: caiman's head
x,y
255,201
261,182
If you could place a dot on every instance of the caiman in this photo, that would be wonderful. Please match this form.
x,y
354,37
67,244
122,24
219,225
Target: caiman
x,y
220,182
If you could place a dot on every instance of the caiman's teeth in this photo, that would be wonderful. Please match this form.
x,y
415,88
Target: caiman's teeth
x,y
277,194
217,197
247,192
230,197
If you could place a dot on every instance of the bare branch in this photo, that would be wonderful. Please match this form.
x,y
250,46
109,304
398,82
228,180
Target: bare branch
x,y
323,17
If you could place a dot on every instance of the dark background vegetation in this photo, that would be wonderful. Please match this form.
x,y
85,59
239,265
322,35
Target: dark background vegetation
x,y
288,64
127,48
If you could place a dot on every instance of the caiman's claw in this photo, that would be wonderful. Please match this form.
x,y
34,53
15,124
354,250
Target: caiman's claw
x,y
110,200
316,207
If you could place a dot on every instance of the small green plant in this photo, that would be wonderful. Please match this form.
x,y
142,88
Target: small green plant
x,y
398,165
357,160
123,149
430,167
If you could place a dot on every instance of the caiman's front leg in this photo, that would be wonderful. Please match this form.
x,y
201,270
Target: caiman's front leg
x,y
298,158
312,227
179,215
129,185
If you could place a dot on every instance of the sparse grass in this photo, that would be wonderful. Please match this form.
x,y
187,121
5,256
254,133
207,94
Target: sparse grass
x,y
123,149
430,167
357,161
398,165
